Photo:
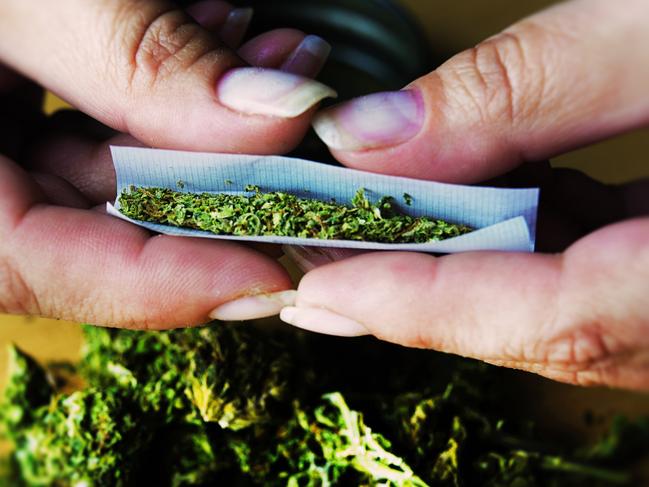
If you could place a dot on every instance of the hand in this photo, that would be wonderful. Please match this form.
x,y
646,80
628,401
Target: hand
x,y
565,77
149,70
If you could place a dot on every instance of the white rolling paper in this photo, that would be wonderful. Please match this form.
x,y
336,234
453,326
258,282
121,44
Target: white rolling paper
x,y
504,219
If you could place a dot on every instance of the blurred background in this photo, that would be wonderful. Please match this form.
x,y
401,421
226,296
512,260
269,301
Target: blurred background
x,y
384,41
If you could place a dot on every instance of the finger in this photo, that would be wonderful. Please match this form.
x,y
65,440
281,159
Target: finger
x,y
75,147
289,50
552,82
211,14
231,24
147,69
85,266
286,49
57,191
71,151
580,317
271,49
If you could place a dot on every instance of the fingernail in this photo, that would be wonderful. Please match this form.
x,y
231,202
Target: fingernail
x,y
322,321
270,92
254,307
308,58
236,26
372,122
209,14
309,258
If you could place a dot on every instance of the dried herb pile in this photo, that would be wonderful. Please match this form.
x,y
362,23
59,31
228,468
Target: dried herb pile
x,y
282,214
234,406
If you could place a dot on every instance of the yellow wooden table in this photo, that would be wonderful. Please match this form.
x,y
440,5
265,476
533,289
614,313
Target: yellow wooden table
x,y
454,25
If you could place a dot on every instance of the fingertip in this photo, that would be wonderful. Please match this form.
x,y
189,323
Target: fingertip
x,y
323,321
210,14
258,91
271,49
195,281
254,307
421,132
337,285
236,26
231,24
396,133
309,57
376,121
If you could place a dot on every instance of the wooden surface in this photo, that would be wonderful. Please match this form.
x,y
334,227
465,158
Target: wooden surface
x,y
455,26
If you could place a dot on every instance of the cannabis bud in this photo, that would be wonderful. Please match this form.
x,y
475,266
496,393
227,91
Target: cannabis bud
x,y
239,406
283,214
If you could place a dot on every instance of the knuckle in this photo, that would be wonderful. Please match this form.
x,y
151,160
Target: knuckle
x,y
586,355
157,44
16,296
501,79
581,347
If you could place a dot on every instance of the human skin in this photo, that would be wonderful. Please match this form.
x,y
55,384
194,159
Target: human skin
x,y
534,91
571,75
161,76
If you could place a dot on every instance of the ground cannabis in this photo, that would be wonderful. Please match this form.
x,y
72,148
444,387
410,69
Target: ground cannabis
x,y
231,405
283,214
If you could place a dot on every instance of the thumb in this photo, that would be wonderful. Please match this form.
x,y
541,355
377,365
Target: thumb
x,y
557,80
147,68
578,317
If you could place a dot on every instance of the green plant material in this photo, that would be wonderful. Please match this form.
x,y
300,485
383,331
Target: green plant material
x,y
148,365
624,437
521,467
234,381
346,441
329,444
85,438
231,405
283,214
28,389
221,374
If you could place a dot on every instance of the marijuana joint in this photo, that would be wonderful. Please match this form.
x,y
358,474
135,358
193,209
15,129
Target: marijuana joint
x,y
281,214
